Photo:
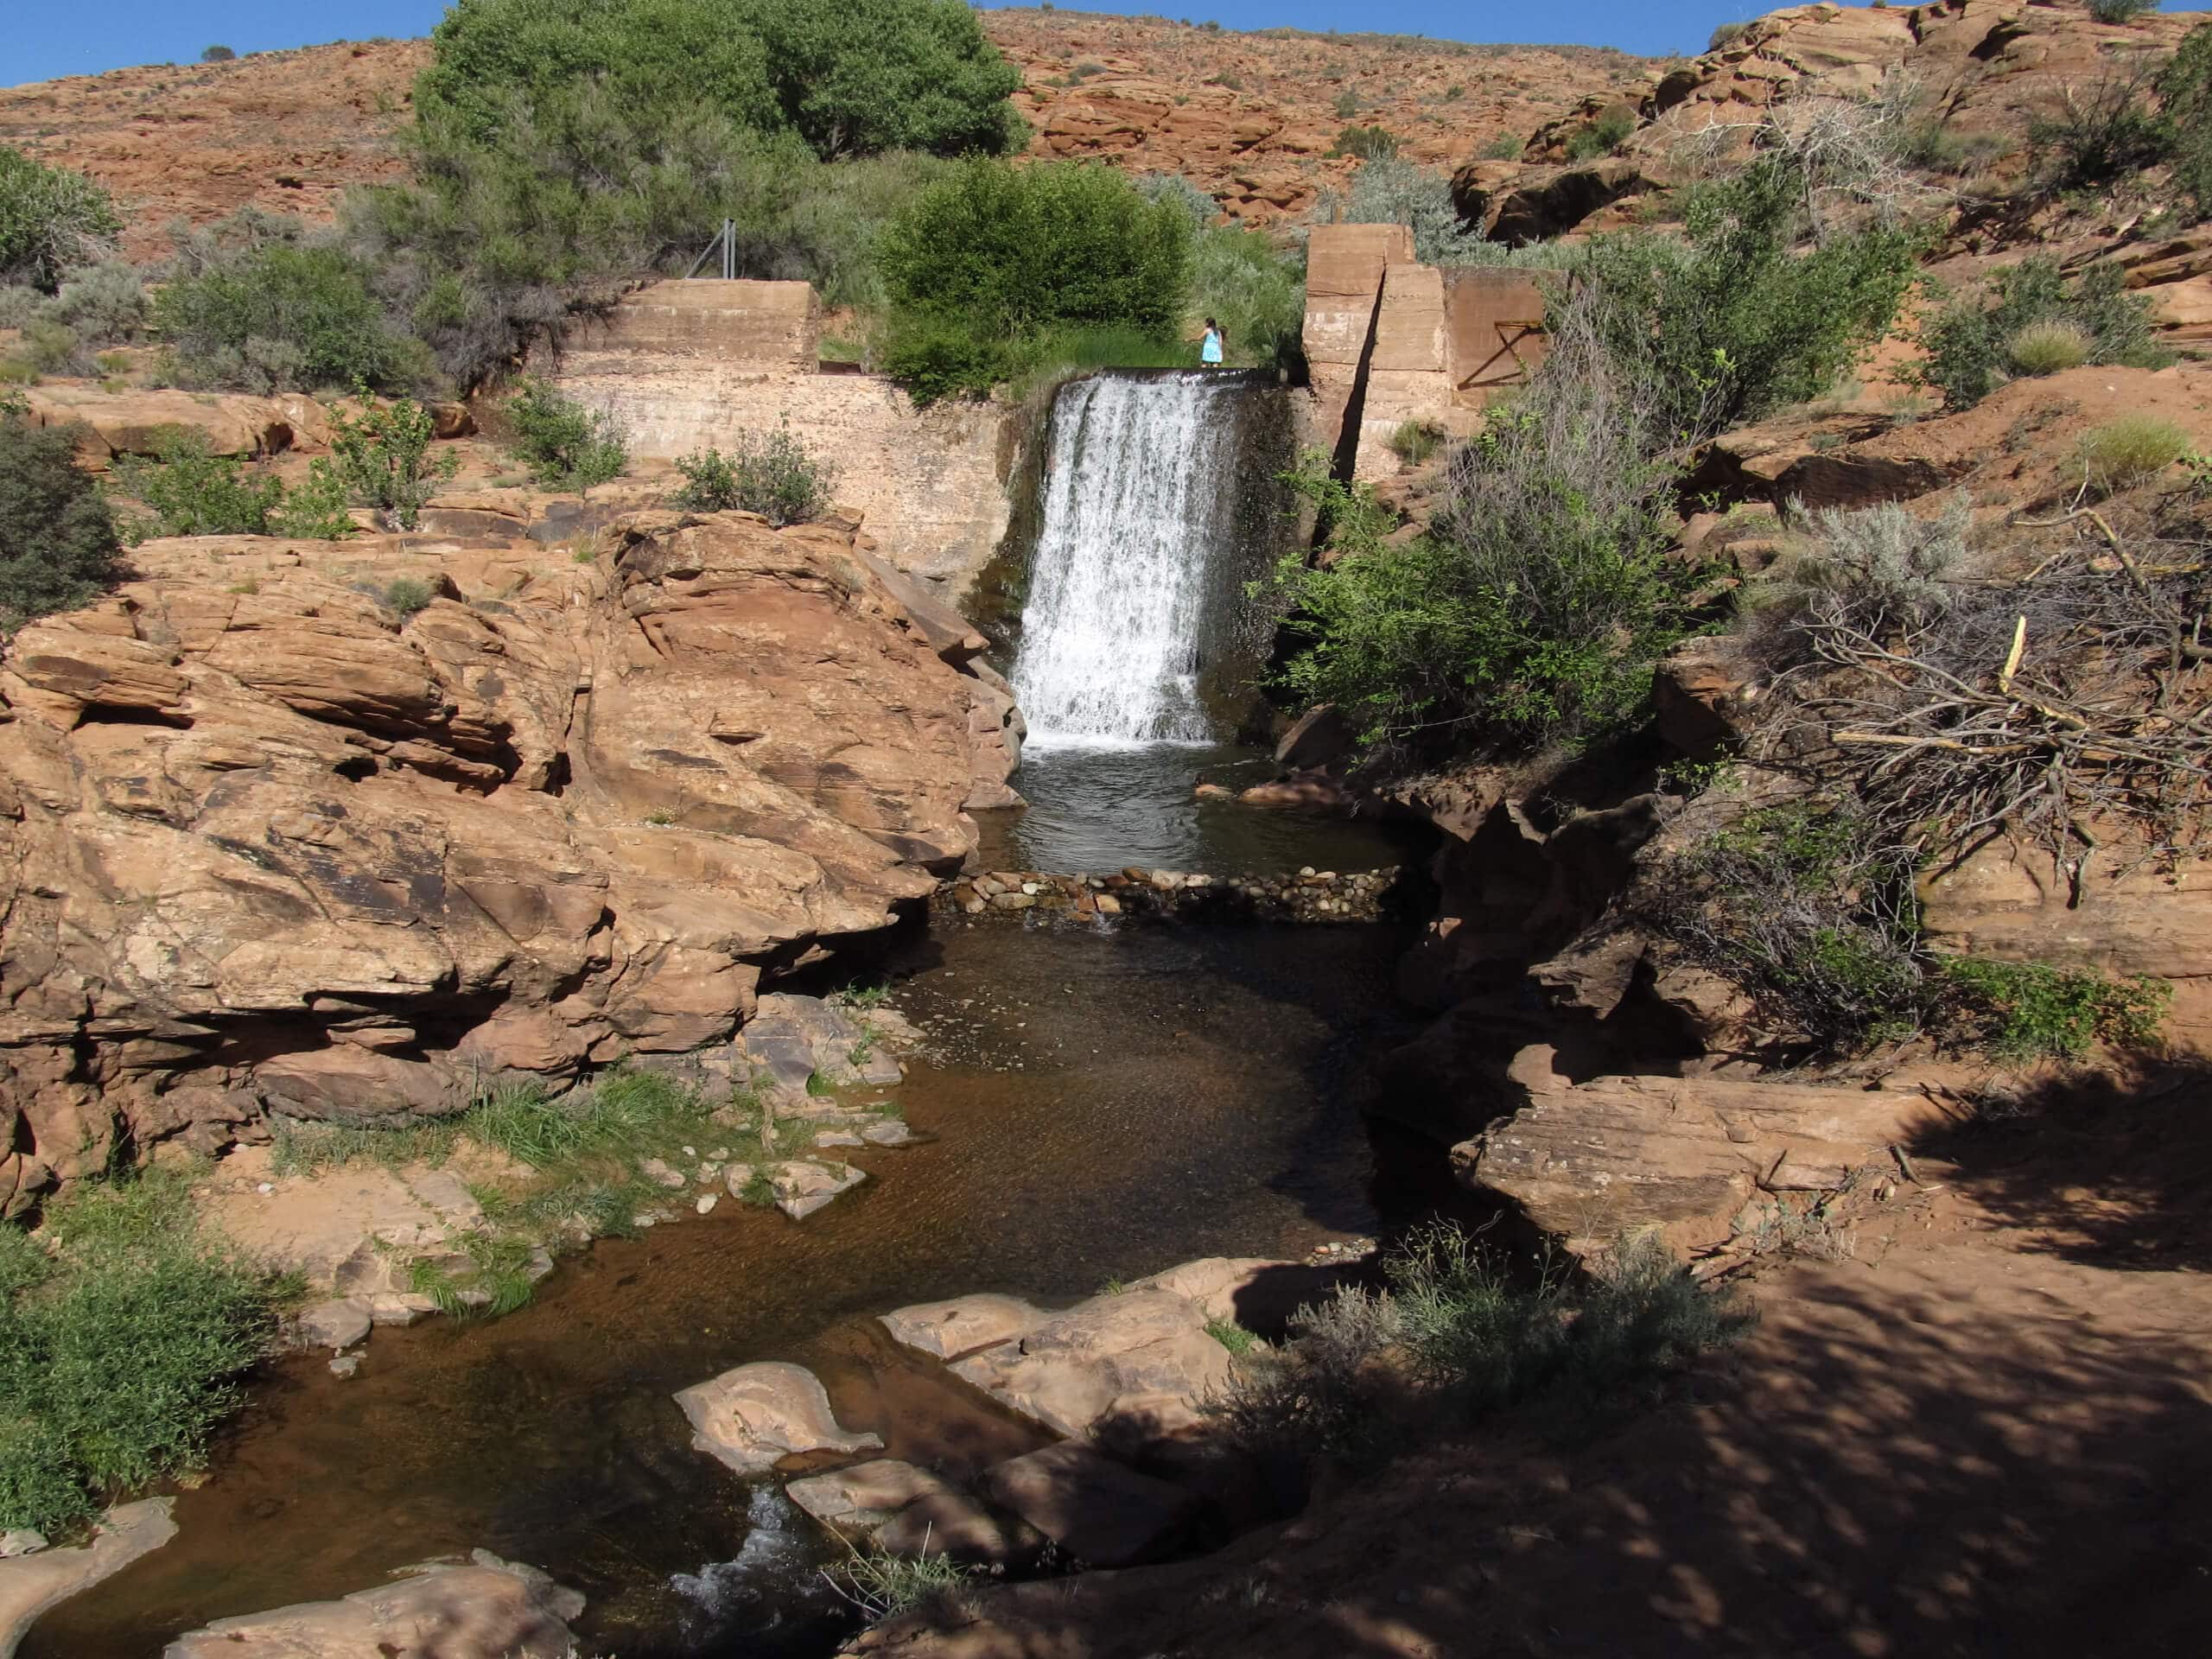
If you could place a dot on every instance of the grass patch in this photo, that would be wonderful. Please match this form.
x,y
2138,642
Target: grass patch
x,y
884,1586
2131,450
1232,1336
123,1331
2050,348
1469,1340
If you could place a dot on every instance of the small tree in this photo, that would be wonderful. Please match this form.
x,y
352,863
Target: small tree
x,y
51,219
565,445
58,544
772,474
194,492
382,456
217,54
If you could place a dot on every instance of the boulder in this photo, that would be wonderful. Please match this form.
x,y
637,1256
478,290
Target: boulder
x,y
952,1329
32,1581
754,1415
1129,1366
853,1502
338,1323
1100,1512
489,1609
1590,1162
273,847
953,1524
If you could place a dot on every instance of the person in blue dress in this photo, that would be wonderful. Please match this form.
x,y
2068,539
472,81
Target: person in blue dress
x,y
1209,348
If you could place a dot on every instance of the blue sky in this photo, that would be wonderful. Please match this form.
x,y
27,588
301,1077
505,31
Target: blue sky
x,y
44,39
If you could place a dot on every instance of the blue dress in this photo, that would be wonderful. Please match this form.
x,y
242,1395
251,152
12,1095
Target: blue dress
x,y
1210,352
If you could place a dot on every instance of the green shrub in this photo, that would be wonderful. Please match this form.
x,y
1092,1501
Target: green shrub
x,y
564,445
381,456
1602,137
1968,341
1504,146
1534,607
1475,1338
986,260
118,1353
278,317
2121,11
57,542
193,492
848,78
1731,321
2030,1010
1726,35
51,221
1347,104
217,54
1391,192
105,303
407,596
1240,278
2051,346
883,1586
1875,569
314,509
771,474
52,347
1368,143
2130,450
2184,89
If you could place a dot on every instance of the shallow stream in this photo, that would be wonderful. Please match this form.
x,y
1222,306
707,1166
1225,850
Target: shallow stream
x,y
1102,1106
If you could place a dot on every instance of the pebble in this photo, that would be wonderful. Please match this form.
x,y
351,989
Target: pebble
x,y
706,1203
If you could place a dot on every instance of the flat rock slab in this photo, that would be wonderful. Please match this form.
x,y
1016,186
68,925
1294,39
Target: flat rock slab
x,y
948,1330
803,1187
1257,1291
1131,1365
478,1611
330,1226
337,1324
754,1415
1591,1161
31,1584
1099,1511
856,1501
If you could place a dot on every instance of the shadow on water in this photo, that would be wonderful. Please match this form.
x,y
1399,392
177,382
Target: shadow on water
x,y
1098,1106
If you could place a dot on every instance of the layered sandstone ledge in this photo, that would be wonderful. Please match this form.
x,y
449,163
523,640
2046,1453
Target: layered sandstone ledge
x,y
275,846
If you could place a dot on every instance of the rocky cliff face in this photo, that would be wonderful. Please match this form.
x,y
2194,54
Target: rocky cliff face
x,y
273,846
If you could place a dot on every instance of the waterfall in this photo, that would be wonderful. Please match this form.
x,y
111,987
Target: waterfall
x,y
1134,563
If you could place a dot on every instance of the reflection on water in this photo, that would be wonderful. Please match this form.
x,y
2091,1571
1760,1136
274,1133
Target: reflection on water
x,y
1097,809
1107,1104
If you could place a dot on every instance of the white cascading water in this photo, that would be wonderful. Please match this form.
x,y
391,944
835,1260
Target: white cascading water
x,y
1140,495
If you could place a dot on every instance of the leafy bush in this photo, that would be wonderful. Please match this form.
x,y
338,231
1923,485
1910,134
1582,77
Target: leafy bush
x,y
58,543
2029,1010
381,456
2051,346
846,78
280,316
2130,450
1537,604
1239,278
1476,1339
2121,11
52,221
1731,318
314,509
1874,569
989,257
193,492
105,303
2184,89
119,1352
1602,137
1368,143
1967,342
1504,146
408,596
1724,35
565,445
771,474
1391,192
217,54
